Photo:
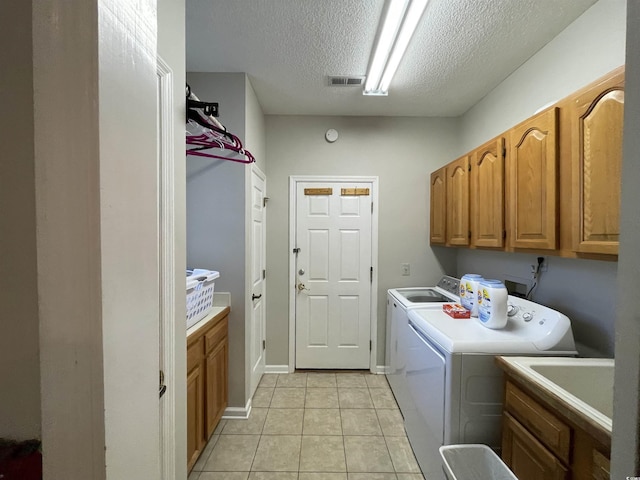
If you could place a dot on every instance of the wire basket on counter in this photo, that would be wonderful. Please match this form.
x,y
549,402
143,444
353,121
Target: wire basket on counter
x,y
200,288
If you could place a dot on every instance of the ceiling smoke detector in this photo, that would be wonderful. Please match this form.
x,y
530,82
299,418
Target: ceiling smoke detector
x,y
346,81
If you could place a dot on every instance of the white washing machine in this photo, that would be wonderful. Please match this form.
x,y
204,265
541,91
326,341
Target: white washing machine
x,y
399,302
454,388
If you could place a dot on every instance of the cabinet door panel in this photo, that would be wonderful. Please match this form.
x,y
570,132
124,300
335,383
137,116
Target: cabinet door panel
x,y
458,202
195,418
552,432
532,166
438,207
525,456
487,195
597,118
216,385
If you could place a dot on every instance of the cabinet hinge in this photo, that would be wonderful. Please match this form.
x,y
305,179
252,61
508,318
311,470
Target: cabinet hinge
x,y
371,275
370,345
264,274
469,167
504,153
469,234
504,234
264,344
371,207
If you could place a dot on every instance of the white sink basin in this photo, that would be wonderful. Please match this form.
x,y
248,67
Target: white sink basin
x,y
586,384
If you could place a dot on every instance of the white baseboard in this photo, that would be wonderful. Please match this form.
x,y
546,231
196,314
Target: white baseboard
x,y
379,369
276,369
237,412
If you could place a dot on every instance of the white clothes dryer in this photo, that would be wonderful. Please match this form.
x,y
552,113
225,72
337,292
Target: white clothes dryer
x,y
454,388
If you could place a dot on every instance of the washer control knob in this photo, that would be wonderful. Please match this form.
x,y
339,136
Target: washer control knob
x,y
527,317
511,310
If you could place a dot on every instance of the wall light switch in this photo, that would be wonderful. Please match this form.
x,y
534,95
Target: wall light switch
x,y
406,269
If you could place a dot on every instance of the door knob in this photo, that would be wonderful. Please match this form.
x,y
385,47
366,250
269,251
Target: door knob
x,y
301,287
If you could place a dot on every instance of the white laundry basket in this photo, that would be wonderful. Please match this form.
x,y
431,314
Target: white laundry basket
x,y
200,288
473,462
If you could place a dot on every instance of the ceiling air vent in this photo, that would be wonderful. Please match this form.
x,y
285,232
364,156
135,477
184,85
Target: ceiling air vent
x,y
346,81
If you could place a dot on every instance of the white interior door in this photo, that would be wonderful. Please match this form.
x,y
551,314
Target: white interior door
x,y
333,274
258,273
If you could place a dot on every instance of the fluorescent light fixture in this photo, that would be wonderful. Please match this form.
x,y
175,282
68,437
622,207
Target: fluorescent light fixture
x,y
400,22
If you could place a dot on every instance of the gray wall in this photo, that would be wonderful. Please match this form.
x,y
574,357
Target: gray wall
x,y
401,152
255,134
216,215
590,47
626,416
19,349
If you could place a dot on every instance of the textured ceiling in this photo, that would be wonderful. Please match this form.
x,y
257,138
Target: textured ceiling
x,y
461,50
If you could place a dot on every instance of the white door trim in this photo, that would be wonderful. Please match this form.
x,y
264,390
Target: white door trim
x,y
250,388
167,273
293,181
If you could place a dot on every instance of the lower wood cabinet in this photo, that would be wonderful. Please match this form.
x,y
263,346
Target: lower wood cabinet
x,y
207,372
195,414
540,443
526,456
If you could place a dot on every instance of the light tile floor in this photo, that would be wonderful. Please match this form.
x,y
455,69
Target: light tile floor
x,y
313,426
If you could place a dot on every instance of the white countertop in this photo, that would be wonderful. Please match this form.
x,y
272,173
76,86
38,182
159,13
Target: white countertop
x,y
585,385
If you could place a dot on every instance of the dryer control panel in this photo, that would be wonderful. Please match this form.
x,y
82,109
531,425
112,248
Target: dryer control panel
x,y
547,328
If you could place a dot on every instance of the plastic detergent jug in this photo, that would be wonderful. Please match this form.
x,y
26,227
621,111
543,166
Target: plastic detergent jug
x,y
469,292
492,303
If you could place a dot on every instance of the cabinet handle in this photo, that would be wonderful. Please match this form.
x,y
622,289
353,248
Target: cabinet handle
x,y
255,297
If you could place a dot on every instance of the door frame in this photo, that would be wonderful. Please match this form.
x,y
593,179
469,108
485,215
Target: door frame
x,y
167,268
293,184
249,388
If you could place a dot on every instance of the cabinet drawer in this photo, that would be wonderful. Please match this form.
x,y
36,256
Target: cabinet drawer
x,y
548,428
526,456
195,352
214,336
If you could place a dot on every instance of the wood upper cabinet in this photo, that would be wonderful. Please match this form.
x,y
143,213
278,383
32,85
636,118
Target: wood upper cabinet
x,y
458,201
596,135
532,182
438,207
487,194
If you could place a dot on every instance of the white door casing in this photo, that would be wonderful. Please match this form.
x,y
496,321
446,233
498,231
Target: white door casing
x,y
331,280
258,282
167,273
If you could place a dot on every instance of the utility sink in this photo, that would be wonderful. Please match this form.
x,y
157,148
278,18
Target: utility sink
x,y
585,384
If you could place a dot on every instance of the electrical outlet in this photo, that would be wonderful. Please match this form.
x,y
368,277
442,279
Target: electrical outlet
x,y
540,265
406,269
544,265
